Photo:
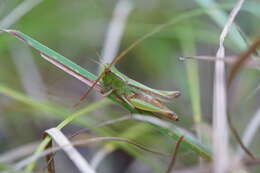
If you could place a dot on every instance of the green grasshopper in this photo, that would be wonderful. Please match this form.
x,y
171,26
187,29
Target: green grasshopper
x,y
133,93
111,82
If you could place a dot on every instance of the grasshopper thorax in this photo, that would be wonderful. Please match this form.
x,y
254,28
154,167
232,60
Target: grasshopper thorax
x,y
112,81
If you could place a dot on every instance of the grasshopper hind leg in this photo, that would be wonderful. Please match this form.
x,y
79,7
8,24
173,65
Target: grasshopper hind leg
x,y
146,103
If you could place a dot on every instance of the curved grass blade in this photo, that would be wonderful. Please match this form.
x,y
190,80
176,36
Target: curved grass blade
x,y
65,122
39,106
189,142
55,58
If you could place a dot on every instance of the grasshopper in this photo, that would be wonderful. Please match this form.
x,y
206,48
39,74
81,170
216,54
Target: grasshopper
x,y
111,82
133,93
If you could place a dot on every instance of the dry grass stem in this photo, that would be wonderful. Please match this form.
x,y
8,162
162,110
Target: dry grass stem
x,y
174,156
220,125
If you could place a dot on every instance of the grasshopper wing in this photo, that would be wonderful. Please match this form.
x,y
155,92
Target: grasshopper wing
x,y
159,94
147,103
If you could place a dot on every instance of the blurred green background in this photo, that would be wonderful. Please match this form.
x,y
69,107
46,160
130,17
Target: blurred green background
x,y
77,30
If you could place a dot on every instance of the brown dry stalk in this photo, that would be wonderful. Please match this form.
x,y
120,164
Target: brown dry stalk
x,y
241,60
174,156
49,157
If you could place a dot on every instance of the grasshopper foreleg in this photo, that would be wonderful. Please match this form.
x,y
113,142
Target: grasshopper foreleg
x,y
106,93
128,101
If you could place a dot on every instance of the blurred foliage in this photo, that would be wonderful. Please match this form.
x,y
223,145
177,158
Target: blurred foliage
x,y
77,30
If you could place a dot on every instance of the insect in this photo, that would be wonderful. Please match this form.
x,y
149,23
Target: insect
x,y
133,93
128,91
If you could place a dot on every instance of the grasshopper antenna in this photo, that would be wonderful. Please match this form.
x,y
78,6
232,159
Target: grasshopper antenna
x,y
115,60
97,62
96,81
120,56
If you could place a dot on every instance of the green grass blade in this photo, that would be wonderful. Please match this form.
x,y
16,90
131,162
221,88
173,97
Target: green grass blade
x,y
187,42
53,110
189,142
43,107
134,132
65,122
56,112
54,56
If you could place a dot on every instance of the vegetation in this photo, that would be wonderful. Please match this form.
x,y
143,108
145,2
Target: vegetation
x,y
154,39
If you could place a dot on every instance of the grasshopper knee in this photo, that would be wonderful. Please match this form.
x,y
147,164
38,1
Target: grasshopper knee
x,y
177,94
172,116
